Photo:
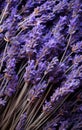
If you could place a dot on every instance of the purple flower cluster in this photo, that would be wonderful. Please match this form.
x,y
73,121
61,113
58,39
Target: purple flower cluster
x,y
40,64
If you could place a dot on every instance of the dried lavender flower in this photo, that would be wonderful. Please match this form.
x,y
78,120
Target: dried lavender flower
x,y
37,91
77,48
73,82
12,86
41,64
21,123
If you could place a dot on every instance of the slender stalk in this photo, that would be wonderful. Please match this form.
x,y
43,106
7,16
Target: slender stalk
x,y
4,13
69,40
69,69
47,116
22,68
40,105
67,56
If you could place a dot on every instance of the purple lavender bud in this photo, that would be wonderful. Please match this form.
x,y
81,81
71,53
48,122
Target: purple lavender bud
x,y
37,91
76,6
14,49
64,125
51,125
41,67
59,26
62,6
77,48
51,65
12,85
2,102
32,4
77,60
73,26
54,46
34,71
57,68
1,37
44,13
40,10
10,70
51,48
21,123
30,72
34,40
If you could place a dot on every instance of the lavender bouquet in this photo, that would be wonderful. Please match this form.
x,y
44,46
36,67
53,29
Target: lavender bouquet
x,y
40,64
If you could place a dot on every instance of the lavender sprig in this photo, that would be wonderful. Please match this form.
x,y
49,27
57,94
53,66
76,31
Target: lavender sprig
x,y
73,82
37,91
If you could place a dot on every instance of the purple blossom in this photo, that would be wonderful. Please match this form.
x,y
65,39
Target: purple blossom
x,y
32,74
37,91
